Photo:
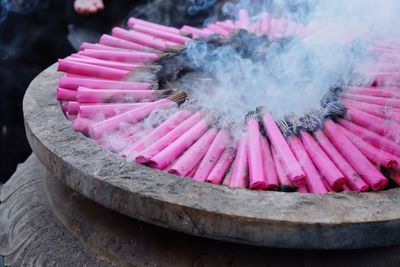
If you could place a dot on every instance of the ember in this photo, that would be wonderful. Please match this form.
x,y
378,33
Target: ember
x,y
345,143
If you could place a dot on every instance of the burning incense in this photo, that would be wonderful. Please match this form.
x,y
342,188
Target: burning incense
x,y
214,152
357,160
74,83
180,145
334,178
103,63
257,177
85,69
375,155
373,138
290,129
121,56
92,111
221,168
149,152
240,169
133,116
268,166
163,129
87,95
194,154
284,182
353,179
113,41
374,123
296,174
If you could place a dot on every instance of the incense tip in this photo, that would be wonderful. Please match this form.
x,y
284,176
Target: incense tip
x,y
175,48
261,110
178,97
284,127
250,115
186,34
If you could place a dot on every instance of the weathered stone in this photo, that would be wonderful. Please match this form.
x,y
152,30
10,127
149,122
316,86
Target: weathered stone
x,y
275,219
67,229
30,234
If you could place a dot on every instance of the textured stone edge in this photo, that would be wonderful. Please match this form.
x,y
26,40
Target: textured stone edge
x,y
258,218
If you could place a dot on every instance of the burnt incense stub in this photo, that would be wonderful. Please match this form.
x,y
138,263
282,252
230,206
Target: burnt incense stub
x,y
274,219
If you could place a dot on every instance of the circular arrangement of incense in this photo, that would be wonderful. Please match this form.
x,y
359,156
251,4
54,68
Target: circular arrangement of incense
x,y
126,93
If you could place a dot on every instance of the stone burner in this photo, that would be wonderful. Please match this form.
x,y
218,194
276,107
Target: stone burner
x,y
275,219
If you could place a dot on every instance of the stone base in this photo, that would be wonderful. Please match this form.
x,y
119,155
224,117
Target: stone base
x,y
44,223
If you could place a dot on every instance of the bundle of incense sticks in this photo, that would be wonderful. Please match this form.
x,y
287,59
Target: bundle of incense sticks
x,y
348,144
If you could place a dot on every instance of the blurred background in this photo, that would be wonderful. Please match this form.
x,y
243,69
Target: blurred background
x,y
35,33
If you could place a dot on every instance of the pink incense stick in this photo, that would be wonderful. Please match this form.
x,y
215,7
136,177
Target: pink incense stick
x,y
161,34
373,138
383,112
374,123
82,125
268,166
303,189
121,43
66,94
264,24
109,139
121,56
333,176
194,154
346,188
163,129
353,179
218,30
134,21
395,177
86,69
104,63
74,83
197,32
257,177
73,107
243,20
357,160
87,95
92,111
119,145
222,166
139,38
214,152
315,182
97,46
377,92
132,116
374,154
179,146
240,167
228,25
284,182
149,152
383,101
296,174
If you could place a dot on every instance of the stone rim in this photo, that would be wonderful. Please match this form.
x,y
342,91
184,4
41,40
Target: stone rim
x,y
273,219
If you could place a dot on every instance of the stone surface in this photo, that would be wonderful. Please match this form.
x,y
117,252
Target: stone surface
x,y
275,219
30,234
89,232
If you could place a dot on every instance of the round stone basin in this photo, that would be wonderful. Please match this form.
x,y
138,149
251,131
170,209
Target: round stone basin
x,y
261,218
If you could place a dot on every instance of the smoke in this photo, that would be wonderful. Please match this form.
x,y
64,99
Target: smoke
x,y
292,74
16,6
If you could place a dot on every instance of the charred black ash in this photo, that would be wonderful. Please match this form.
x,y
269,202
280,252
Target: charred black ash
x,y
245,43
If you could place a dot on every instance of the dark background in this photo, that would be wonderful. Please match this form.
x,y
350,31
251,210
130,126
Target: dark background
x,y
35,33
